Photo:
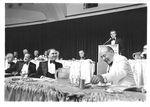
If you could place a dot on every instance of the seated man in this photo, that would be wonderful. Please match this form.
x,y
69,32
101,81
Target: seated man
x,y
48,68
24,67
15,57
36,54
144,53
9,61
119,71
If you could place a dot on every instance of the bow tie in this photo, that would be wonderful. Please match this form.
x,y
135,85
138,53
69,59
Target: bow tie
x,y
52,61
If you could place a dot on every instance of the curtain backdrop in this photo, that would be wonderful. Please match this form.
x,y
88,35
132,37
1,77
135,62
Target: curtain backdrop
x,y
86,33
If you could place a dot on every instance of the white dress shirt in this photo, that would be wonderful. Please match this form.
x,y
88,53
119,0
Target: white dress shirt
x,y
120,72
51,67
24,70
113,42
7,65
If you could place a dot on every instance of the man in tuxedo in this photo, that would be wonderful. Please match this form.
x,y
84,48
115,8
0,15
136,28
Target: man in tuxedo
x,y
119,70
116,40
24,68
15,57
49,68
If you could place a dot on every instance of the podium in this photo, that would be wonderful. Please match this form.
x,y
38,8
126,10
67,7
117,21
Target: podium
x,y
101,65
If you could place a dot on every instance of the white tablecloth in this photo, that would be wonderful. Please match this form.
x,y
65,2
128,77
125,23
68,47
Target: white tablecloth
x,y
83,69
139,69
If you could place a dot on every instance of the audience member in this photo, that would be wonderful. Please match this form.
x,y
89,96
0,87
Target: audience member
x,y
9,60
15,57
36,54
57,55
24,68
49,68
81,54
144,53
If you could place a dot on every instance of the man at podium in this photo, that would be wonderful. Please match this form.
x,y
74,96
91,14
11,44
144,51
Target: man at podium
x,y
119,70
116,40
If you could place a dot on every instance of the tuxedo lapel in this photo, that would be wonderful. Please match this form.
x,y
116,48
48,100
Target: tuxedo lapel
x,y
20,66
30,68
45,68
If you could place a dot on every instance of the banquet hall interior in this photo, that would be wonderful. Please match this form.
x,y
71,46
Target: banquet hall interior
x,y
73,29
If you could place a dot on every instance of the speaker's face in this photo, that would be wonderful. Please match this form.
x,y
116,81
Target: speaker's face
x,y
113,34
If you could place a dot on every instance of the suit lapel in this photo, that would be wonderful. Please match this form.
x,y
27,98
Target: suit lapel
x,y
46,67
30,66
20,67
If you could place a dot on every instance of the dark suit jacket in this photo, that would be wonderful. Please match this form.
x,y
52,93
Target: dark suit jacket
x,y
11,64
43,69
18,67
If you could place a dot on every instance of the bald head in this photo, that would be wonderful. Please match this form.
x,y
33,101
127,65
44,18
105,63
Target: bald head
x,y
107,54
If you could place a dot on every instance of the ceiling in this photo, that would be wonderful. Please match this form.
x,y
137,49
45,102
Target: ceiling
x,y
32,13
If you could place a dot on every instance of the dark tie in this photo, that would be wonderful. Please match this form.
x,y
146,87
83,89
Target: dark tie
x,y
110,65
26,63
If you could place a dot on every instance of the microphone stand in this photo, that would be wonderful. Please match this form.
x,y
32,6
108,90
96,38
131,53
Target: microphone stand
x,y
107,41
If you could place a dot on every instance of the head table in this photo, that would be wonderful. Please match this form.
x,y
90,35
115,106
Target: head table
x,y
61,90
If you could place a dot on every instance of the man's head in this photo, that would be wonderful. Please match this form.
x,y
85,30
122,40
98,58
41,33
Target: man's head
x,y
27,57
81,54
36,53
107,54
144,48
25,51
52,54
113,34
15,54
45,53
9,57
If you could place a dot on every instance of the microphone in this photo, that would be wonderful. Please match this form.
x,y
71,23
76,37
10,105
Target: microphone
x,y
107,41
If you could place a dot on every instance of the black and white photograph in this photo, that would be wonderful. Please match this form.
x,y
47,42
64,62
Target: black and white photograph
x,y
75,52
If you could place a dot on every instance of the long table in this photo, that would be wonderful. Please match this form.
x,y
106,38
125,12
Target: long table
x,y
61,90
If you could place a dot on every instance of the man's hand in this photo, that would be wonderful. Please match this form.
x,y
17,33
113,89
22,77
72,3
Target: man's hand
x,y
42,77
96,79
